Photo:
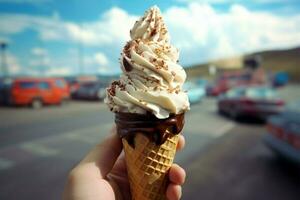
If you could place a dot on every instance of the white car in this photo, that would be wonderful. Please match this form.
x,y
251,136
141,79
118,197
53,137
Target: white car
x,y
195,92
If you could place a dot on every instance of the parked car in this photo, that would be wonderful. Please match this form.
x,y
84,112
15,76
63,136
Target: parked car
x,y
284,133
227,81
254,101
201,82
195,92
74,86
215,89
280,79
38,91
5,85
90,91
230,79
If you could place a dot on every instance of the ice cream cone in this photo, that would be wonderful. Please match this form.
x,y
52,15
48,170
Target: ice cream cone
x,y
148,165
150,145
149,104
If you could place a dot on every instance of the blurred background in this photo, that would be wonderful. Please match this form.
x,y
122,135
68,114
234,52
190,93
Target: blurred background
x,y
242,60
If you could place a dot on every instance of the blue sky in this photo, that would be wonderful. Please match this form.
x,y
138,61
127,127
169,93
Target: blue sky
x,y
54,37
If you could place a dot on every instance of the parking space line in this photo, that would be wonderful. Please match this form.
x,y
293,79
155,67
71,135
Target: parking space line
x,y
80,138
223,129
38,149
90,134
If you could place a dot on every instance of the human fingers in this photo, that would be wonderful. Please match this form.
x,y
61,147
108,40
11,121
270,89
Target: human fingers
x,y
177,174
181,143
177,177
103,157
173,192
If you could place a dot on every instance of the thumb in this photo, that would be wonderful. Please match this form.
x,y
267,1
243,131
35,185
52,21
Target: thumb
x,y
102,158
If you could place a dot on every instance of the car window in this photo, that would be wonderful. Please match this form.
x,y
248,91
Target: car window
x,y
260,93
44,85
85,86
188,85
238,92
201,82
27,84
90,85
60,83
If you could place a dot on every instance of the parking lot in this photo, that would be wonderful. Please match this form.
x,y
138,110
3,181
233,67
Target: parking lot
x,y
223,158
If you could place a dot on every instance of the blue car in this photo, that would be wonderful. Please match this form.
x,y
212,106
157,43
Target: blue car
x,y
284,133
195,91
280,79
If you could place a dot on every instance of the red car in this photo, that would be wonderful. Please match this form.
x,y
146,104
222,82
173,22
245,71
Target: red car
x,y
227,81
216,89
253,101
38,91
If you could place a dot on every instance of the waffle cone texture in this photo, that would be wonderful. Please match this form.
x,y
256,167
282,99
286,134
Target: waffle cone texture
x,y
148,165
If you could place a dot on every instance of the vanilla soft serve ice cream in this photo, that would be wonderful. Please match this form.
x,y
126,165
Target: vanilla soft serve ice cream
x,y
152,79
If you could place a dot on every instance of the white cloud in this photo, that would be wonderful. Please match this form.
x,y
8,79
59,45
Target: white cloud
x,y
100,63
40,59
112,27
12,64
101,59
202,33
73,51
199,30
40,62
12,23
104,70
38,51
4,39
62,71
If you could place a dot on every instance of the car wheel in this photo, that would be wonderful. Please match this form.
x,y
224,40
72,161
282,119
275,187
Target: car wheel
x,y
220,111
36,104
233,114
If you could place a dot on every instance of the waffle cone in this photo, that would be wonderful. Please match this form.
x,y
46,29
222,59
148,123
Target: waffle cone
x,y
148,165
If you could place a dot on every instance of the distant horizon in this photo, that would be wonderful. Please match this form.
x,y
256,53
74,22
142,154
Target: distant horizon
x,y
117,74
249,53
61,38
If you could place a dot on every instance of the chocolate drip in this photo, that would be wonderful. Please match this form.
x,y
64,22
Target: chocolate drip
x,y
157,130
127,65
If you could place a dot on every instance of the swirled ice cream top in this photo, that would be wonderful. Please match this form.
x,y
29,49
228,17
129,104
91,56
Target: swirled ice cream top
x,y
152,79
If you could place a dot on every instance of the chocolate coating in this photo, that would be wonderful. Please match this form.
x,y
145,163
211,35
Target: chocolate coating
x,y
157,130
126,65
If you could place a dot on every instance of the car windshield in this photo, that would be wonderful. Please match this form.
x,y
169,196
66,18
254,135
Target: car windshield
x,y
44,85
201,82
254,93
60,83
189,85
260,93
27,84
238,92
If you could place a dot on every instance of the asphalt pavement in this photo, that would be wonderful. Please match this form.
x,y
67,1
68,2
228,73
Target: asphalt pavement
x,y
239,166
39,147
